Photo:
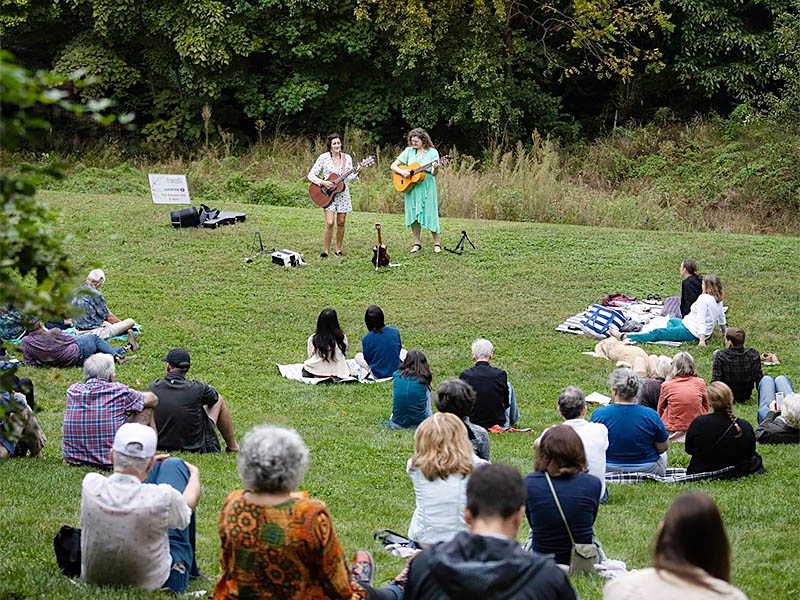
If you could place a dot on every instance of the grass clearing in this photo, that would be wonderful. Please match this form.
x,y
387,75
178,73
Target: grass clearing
x,y
192,288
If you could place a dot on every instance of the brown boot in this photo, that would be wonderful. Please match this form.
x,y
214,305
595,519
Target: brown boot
x,y
122,359
132,340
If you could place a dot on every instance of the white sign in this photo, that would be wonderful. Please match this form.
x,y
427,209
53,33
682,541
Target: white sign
x,y
169,189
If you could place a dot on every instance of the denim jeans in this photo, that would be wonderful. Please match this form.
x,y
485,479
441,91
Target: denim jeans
x,y
174,472
92,344
512,412
673,332
767,388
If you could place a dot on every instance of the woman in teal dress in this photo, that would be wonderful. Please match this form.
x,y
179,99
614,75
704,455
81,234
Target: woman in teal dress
x,y
422,201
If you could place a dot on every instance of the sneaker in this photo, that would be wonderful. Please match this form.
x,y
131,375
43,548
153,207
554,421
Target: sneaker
x,y
132,340
363,568
402,577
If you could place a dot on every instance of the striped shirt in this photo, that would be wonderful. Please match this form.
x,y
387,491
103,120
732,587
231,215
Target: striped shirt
x,y
95,410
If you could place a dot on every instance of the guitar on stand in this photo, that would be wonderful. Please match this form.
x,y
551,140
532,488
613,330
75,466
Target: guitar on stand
x,y
324,197
416,173
380,258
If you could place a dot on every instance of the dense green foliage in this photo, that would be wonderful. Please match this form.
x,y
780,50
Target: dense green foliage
x,y
471,70
191,288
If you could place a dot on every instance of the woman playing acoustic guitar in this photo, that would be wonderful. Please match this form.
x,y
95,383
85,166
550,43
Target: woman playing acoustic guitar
x,y
334,161
422,201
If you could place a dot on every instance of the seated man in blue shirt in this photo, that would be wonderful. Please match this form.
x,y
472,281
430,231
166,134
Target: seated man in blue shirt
x,y
93,316
382,349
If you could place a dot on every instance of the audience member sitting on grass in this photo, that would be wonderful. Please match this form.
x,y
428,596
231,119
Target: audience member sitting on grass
x,y
561,463
277,543
737,366
138,526
456,396
594,436
682,397
691,286
382,349
692,557
719,439
327,348
93,316
650,387
781,425
21,435
698,325
188,411
439,469
496,402
637,440
411,392
42,347
768,387
95,409
487,562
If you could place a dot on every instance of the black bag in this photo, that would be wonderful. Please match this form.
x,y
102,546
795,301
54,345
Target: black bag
x,y
68,550
185,217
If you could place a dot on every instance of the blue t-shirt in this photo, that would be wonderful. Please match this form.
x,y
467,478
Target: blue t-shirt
x,y
90,306
632,431
579,495
409,400
382,351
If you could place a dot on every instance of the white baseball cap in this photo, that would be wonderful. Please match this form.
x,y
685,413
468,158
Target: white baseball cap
x,y
135,440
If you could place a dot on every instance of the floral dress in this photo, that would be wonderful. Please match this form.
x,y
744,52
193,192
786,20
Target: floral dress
x,y
324,163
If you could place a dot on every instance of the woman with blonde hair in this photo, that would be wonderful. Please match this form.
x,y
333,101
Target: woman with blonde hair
x,y
719,439
682,397
691,561
698,325
439,469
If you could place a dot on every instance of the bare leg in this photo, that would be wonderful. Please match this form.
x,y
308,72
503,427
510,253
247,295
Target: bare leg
x,y
221,416
652,361
435,238
415,229
326,239
340,219
640,367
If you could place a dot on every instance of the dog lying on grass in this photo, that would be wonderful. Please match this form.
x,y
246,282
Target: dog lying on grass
x,y
625,355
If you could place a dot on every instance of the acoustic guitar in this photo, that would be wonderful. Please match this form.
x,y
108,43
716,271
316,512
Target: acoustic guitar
x,y
322,196
417,173
380,258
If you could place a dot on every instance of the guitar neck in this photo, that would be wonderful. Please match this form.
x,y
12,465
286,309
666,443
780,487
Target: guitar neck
x,y
347,174
380,242
423,167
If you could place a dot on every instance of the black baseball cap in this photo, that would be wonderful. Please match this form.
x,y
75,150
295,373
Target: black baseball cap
x,y
177,357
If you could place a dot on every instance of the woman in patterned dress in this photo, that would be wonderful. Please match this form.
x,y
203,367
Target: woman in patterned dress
x,y
422,201
334,161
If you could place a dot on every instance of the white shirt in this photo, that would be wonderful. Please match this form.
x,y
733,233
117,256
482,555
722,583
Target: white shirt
x,y
662,585
124,530
439,513
316,365
705,313
595,443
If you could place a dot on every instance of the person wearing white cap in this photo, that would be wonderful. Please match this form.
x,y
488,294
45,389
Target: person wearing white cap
x,y
93,316
138,524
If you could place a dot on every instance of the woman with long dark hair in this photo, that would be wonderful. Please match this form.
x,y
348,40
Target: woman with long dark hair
x,y
327,163
327,347
692,558
411,392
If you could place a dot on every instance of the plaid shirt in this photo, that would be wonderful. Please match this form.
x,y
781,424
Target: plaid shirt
x,y
91,307
739,368
673,475
95,410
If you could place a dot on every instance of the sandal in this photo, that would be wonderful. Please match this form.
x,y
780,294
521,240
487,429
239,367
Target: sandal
x,y
416,248
437,249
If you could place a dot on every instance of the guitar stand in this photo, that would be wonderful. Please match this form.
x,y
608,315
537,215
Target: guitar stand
x,y
459,249
257,248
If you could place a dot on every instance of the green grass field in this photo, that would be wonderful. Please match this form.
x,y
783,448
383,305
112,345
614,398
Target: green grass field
x,y
191,288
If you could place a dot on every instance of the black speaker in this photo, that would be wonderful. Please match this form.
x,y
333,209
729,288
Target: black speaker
x,y
186,217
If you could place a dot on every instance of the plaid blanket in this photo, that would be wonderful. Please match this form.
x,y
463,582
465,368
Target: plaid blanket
x,y
673,475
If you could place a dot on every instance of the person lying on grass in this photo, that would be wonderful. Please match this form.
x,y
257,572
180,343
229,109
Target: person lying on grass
x,y
42,347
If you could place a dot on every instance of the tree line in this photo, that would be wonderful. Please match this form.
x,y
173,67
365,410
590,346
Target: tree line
x,y
471,71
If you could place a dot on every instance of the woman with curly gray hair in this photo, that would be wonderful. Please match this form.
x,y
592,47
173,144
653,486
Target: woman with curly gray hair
x,y
278,543
637,439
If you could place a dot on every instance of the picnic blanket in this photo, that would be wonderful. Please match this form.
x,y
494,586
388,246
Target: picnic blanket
x,y
137,329
647,314
357,374
673,475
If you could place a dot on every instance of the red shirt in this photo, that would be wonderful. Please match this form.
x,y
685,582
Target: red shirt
x,y
680,401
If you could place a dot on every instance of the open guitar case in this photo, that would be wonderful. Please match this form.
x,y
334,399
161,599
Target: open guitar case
x,y
207,217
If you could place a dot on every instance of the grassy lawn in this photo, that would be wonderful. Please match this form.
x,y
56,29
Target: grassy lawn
x,y
193,289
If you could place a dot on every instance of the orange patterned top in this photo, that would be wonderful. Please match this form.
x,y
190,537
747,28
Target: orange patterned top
x,y
287,551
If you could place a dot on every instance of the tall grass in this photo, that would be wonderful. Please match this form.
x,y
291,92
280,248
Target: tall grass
x,y
704,175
